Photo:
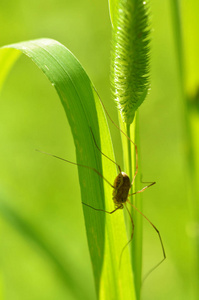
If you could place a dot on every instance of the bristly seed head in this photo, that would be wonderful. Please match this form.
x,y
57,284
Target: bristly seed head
x,y
130,57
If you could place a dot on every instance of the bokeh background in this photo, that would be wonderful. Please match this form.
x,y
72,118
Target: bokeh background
x,y
45,192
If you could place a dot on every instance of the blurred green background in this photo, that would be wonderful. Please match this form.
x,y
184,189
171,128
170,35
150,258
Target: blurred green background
x,y
45,191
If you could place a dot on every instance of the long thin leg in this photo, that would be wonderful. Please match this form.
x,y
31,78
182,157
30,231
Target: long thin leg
x,y
143,189
108,212
103,153
73,163
163,250
136,150
131,235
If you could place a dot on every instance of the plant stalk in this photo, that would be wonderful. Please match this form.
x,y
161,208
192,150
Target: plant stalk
x,y
136,246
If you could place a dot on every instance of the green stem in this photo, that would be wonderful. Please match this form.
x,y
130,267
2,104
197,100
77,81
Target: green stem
x,y
129,157
136,246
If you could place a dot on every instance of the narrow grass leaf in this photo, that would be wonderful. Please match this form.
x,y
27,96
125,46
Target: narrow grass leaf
x,y
80,101
74,89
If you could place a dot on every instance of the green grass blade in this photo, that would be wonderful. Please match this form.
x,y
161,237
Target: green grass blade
x,y
75,90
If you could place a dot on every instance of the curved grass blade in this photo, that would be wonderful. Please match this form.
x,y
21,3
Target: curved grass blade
x,y
76,94
75,91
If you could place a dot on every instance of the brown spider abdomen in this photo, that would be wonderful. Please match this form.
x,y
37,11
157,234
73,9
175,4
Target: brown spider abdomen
x,y
122,186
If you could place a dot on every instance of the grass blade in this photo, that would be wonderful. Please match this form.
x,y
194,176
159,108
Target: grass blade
x,y
106,234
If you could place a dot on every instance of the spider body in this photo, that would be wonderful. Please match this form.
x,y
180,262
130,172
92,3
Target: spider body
x,y
122,185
